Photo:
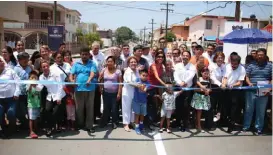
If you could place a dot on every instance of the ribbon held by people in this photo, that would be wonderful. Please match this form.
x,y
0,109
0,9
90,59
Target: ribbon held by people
x,y
72,83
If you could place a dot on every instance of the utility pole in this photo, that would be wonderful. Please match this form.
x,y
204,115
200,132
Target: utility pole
x,y
167,14
54,13
152,35
237,11
144,34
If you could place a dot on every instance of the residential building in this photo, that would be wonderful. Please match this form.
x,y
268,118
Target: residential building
x,y
180,31
209,26
9,13
40,15
88,27
106,37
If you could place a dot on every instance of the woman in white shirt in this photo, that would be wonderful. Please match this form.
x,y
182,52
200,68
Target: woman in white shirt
x,y
60,67
217,72
55,100
9,93
8,56
130,76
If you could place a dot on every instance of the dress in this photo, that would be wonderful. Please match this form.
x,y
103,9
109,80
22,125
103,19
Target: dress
x,y
200,101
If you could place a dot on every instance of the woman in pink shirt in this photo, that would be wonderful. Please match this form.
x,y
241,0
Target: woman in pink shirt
x,y
111,91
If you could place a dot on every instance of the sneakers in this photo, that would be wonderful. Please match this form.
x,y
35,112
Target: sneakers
x,y
33,136
216,118
141,127
259,132
244,130
161,130
138,131
169,131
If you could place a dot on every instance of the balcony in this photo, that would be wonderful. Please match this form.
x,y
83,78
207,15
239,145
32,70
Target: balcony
x,y
32,24
40,24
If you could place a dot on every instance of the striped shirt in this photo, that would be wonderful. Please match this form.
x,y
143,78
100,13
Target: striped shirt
x,y
257,72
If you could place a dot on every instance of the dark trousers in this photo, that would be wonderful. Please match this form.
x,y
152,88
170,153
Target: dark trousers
x,y
21,109
54,113
43,107
216,100
97,103
109,107
151,107
230,112
182,111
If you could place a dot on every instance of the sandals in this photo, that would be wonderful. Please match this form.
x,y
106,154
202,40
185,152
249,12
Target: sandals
x,y
33,136
127,129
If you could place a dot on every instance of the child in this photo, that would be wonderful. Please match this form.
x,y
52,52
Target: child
x,y
201,98
140,100
33,99
168,98
70,107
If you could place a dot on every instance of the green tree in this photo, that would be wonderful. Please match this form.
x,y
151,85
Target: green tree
x,y
91,37
124,34
170,37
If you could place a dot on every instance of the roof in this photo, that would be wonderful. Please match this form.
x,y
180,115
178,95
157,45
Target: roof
x,y
213,16
52,5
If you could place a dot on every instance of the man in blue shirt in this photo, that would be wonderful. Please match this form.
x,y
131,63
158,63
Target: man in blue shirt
x,y
83,73
258,73
140,100
22,69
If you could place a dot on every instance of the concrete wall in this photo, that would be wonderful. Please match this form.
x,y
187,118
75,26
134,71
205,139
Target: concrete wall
x,y
13,11
180,32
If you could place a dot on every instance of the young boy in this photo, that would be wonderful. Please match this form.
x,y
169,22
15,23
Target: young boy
x,y
33,100
168,106
140,100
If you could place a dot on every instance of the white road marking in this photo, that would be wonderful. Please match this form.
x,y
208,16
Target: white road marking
x,y
160,149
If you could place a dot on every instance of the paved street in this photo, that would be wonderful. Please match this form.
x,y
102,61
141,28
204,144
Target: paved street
x,y
109,142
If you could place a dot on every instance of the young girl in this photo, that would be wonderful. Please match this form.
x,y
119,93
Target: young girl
x,y
33,104
168,98
70,107
201,98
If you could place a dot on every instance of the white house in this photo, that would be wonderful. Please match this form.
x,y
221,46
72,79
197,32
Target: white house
x,y
209,26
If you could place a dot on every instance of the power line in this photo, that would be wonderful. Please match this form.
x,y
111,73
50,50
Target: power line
x,y
261,8
167,14
131,7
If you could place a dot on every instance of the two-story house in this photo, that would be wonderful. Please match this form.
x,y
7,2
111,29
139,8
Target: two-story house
x,y
88,27
40,15
8,13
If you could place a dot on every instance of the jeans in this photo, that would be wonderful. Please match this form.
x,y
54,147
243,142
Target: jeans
x,y
151,106
260,103
21,109
7,106
109,106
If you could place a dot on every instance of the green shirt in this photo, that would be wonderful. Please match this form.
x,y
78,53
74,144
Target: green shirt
x,y
33,98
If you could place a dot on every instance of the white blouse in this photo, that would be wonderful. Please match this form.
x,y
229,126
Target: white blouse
x,y
217,73
129,77
56,69
8,90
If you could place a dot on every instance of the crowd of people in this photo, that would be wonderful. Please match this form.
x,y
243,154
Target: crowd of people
x,y
146,86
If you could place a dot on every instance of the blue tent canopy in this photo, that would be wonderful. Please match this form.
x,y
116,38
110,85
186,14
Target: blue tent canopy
x,y
248,36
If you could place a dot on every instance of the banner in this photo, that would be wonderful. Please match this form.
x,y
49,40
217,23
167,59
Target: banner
x,y
55,37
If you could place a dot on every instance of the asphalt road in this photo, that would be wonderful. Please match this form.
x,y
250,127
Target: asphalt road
x,y
108,142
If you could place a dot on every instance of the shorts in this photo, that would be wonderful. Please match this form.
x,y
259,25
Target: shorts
x,y
33,113
166,113
140,108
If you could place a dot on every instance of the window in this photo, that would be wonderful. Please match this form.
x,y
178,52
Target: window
x,y
73,20
186,28
208,24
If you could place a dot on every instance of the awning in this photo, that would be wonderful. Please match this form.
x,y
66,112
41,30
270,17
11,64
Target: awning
x,y
212,38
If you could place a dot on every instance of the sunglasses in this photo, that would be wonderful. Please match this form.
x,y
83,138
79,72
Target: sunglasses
x,y
175,53
193,46
159,56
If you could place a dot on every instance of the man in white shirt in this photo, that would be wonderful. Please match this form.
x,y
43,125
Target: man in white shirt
x,y
98,58
146,55
183,76
209,55
125,52
234,77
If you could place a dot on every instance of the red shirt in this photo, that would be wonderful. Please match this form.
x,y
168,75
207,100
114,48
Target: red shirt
x,y
151,78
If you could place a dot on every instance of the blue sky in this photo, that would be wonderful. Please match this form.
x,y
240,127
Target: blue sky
x,y
112,17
